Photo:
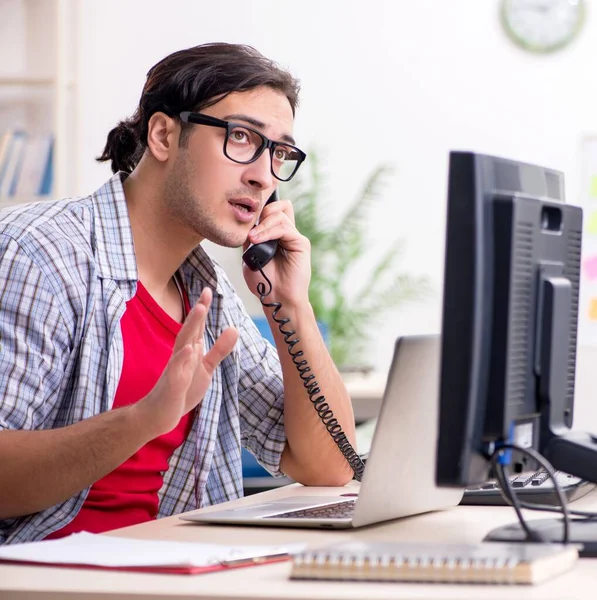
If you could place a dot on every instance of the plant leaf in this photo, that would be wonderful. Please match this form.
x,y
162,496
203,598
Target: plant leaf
x,y
336,249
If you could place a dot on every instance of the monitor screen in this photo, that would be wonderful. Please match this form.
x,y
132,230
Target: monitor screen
x,y
510,312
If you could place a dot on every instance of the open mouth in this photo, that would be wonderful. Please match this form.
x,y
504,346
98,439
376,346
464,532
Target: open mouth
x,y
243,207
244,210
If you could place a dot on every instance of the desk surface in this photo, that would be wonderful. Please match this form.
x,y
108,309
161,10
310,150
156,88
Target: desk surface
x,y
460,524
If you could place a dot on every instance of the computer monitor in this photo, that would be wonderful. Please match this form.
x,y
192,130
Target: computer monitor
x,y
510,312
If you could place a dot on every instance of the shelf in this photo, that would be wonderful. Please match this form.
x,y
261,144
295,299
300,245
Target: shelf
x,y
38,87
27,81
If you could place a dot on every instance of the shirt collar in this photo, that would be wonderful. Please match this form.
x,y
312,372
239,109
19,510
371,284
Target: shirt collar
x,y
114,246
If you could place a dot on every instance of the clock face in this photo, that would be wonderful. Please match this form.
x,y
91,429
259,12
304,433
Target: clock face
x,y
542,25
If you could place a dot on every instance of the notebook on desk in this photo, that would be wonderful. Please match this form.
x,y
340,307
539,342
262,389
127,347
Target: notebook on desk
x,y
524,563
399,478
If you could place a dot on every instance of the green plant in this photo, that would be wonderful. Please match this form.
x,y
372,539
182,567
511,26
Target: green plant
x,y
336,250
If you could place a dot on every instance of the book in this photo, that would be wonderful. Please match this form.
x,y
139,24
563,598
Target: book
x,y
12,164
5,140
492,562
36,156
98,551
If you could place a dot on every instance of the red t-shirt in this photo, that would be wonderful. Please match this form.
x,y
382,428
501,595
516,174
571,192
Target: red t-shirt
x,y
129,494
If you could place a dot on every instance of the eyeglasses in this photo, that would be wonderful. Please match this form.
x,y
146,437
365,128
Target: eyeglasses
x,y
245,145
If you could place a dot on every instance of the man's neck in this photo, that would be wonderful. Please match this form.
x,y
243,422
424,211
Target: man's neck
x,y
161,244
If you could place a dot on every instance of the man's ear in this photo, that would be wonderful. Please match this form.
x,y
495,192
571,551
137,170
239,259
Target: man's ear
x,y
162,135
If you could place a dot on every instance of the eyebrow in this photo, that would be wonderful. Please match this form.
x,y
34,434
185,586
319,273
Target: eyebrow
x,y
258,124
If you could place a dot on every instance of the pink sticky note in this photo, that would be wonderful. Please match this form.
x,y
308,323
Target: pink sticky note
x,y
590,265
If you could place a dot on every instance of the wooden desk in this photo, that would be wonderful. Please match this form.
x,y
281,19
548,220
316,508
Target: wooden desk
x,y
461,524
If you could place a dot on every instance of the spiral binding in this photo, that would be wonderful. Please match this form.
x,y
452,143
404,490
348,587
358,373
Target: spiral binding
x,y
397,567
319,403
411,561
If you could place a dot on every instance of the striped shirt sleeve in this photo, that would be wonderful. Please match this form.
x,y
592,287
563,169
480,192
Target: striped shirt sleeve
x,y
33,341
261,398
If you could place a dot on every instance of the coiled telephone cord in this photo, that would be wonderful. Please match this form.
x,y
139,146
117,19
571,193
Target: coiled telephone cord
x,y
319,402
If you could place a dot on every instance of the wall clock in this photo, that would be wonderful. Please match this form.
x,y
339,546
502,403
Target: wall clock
x,y
542,25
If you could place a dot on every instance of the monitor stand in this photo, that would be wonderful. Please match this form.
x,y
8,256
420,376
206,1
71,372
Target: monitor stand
x,y
582,531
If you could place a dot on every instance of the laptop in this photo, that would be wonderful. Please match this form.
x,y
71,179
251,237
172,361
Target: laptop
x,y
399,478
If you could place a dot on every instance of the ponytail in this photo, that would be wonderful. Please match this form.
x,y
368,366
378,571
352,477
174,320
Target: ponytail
x,y
123,147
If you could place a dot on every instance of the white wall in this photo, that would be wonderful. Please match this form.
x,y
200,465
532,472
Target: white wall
x,y
386,80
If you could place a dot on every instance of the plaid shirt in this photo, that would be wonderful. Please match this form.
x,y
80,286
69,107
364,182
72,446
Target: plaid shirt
x,y
67,270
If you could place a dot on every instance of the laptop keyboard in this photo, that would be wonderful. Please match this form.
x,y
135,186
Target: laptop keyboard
x,y
340,510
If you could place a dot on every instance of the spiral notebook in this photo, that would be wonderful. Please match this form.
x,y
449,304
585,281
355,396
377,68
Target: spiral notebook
x,y
521,563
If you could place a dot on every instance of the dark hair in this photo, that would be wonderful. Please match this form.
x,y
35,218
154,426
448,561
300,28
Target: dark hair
x,y
193,79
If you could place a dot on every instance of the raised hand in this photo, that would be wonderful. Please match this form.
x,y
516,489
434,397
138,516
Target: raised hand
x,y
189,371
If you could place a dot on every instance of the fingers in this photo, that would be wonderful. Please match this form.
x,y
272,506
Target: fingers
x,y
274,210
205,297
190,328
274,227
220,350
182,365
282,206
164,406
205,301
194,326
178,374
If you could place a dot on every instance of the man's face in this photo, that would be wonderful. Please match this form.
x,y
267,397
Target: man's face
x,y
207,192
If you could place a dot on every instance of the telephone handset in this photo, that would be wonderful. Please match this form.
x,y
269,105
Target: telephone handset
x,y
256,256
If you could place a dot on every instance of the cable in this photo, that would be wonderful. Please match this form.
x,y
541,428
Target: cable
x,y
587,516
510,496
302,366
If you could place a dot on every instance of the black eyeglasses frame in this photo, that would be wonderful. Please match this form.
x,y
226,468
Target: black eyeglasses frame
x,y
201,119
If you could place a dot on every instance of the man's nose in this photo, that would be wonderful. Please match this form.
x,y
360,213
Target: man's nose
x,y
259,173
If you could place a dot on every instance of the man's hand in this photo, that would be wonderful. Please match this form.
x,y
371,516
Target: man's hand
x,y
290,274
290,269
188,374
33,476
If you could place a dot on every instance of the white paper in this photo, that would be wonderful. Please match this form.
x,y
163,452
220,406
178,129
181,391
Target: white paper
x,y
107,551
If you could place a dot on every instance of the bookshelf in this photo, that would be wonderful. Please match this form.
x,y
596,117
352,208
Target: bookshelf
x,y
37,100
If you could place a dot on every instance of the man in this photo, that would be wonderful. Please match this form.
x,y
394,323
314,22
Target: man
x,y
118,402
